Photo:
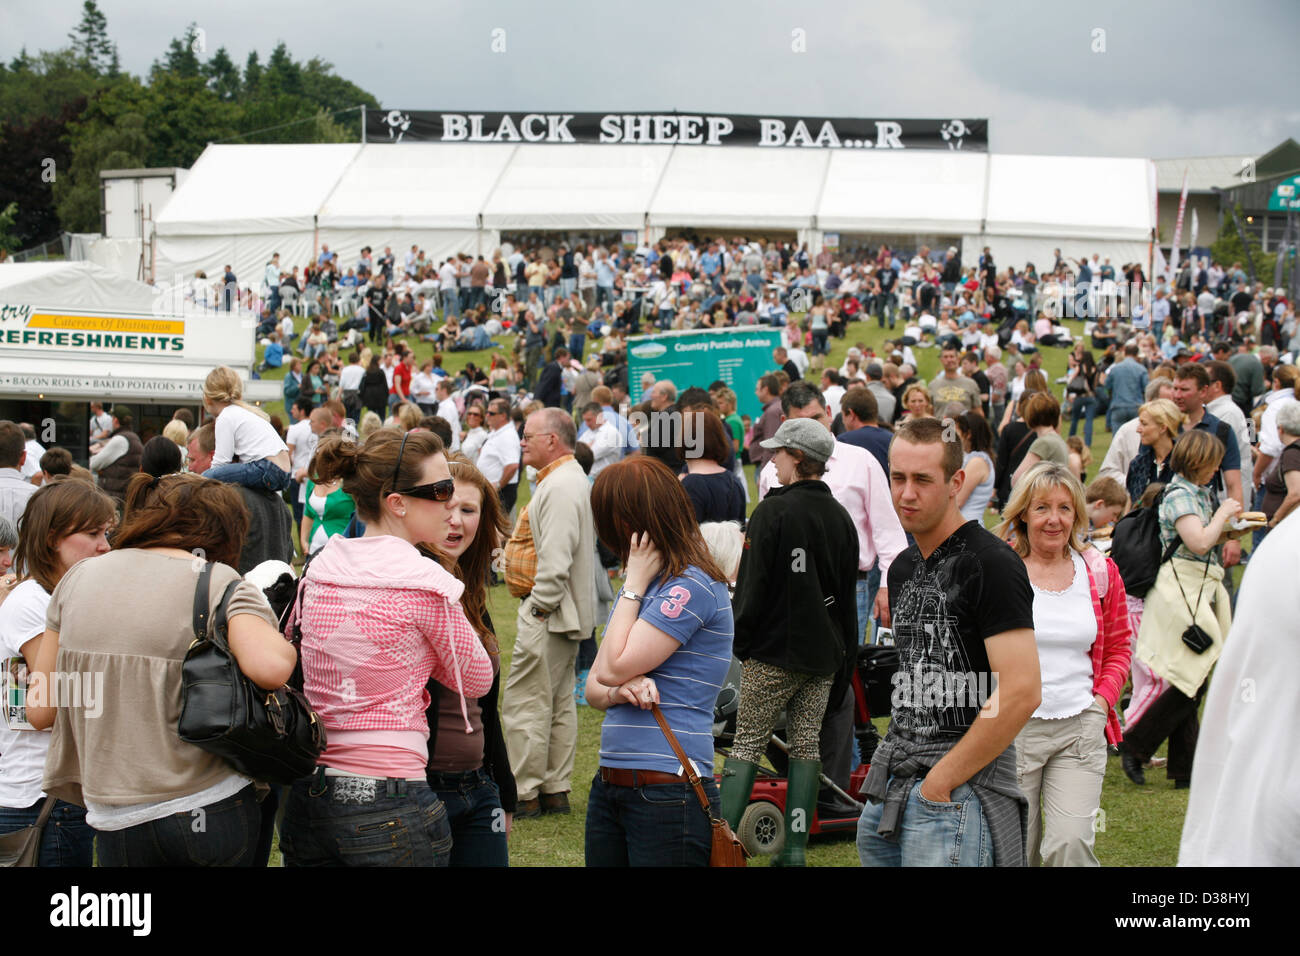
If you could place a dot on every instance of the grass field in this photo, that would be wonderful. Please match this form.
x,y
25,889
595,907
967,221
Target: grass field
x,y
1139,826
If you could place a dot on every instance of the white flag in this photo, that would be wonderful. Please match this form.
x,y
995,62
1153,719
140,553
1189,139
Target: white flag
x,y
1191,241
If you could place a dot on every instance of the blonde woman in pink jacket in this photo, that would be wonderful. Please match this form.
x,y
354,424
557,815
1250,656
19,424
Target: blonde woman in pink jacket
x,y
377,621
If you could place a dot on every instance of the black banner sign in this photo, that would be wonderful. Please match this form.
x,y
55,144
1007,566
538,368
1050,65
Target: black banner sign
x,y
673,129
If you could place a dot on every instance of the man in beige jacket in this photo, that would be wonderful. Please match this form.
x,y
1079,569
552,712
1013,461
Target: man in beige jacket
x,y
549,564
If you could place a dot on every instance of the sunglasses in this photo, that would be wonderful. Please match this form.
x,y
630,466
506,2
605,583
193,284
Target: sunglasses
x,y
435,491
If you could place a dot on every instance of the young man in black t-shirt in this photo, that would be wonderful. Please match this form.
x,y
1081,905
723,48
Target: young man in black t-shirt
x,y
942,787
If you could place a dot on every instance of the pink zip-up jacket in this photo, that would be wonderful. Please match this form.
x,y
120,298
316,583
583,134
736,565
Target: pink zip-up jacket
x,y
378,619
1112,651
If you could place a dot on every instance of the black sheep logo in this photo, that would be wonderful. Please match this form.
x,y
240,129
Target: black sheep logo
x,y
953,132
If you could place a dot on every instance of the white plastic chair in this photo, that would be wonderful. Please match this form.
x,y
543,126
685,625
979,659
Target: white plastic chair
x,y
289,298
345,303
309,301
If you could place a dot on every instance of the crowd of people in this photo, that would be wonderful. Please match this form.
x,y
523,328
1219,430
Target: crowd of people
x,y
395,491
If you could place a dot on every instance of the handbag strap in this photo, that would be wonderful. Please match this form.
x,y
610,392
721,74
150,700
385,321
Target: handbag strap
x,y
200,620
687,767
1199,594
209,626
46,808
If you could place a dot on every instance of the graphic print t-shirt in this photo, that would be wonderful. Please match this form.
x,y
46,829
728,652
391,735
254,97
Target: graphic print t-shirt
x,y
971,588
696,611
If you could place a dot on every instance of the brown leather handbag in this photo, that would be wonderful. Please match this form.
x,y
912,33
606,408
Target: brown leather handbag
x,y
23,847
727,850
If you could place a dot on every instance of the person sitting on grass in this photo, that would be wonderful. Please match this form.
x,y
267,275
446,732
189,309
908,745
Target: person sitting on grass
x,y
273,357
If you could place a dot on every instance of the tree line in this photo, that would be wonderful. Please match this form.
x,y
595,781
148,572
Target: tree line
x,y
66,114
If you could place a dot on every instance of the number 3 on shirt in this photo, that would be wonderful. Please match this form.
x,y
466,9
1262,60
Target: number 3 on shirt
x,y
677,599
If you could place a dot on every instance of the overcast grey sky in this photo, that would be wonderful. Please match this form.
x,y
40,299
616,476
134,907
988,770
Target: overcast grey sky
x,y
1165,78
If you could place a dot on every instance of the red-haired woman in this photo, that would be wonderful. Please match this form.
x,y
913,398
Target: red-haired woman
x,y
668,642
470,772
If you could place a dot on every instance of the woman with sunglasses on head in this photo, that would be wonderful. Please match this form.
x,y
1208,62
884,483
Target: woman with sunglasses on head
x,y
377,620
470,770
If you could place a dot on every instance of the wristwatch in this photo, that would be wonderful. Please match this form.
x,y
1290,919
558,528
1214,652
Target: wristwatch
x,y
639,598
538,613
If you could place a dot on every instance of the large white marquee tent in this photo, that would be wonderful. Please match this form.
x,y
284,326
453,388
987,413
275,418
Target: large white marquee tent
x,y
241,203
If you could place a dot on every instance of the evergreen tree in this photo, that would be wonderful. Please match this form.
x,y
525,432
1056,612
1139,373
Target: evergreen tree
x,y
283,75
252,74
222,75
94,50
182,55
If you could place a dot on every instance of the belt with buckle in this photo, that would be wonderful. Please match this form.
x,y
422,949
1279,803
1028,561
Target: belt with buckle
x,y
621,777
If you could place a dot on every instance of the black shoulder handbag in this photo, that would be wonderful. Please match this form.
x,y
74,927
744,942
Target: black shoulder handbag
x,y
271,736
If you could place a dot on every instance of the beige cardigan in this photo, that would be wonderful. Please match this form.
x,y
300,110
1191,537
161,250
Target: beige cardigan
x,y
1164,618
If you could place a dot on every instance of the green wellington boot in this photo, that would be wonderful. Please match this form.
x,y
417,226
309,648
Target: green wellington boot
x,y
800,804
737,784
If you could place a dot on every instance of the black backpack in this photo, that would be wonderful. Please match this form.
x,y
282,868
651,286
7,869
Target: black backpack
x,y
1135,548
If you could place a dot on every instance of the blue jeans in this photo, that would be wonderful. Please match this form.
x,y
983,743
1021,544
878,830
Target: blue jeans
x,y
478,824
1256,537
1117,415
567,286
821,342
67,840
884,307
866,593
586,655
364,821
263,473
224,833
605,295
659,824
929,834
576,342
1083,406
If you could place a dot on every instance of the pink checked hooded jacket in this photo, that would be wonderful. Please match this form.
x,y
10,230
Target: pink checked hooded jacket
x,y
378,619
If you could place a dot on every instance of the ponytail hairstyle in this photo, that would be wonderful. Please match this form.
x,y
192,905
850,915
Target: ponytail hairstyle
x,y
223,387
367,469
182,510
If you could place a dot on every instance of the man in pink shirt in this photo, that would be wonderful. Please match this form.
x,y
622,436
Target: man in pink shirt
x,y
858,483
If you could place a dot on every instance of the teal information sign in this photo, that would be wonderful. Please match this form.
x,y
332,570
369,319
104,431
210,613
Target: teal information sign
x,y
739,357
1286,195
